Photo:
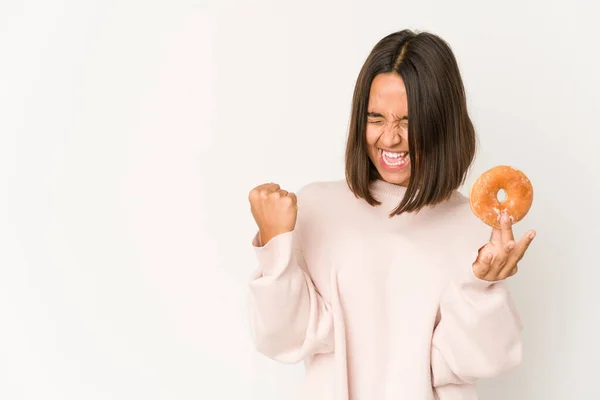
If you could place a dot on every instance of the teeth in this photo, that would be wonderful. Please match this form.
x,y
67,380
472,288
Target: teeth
x,y
401,157
394,155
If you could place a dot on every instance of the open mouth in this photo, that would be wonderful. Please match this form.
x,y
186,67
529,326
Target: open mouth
x,y
394,159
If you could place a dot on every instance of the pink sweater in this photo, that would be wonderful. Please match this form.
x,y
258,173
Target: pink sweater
x,y
381,308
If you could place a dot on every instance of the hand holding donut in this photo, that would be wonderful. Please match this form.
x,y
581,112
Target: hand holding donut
x,y
498,259
275,210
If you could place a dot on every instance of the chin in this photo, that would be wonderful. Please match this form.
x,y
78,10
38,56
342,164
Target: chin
x,y
397,179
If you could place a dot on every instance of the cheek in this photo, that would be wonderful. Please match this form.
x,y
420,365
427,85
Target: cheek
x,y
372,135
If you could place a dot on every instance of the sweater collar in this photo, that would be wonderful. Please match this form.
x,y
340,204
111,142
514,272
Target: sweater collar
x,y
386,188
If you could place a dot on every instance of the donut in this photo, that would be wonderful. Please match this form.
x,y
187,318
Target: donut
x,y
483,196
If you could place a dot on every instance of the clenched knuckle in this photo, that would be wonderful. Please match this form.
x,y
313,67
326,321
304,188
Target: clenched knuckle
x,y
252,195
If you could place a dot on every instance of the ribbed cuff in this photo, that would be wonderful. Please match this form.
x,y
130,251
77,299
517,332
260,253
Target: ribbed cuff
x,y
276,255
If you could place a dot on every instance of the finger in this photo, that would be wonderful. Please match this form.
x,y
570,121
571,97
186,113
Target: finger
x,y
483,265
264,189
271,187
497,263
522,246
506,227
509,269
481,269
260,190
496,236
294,198
507,272
266,185
505,261
497,256
269,190
509,246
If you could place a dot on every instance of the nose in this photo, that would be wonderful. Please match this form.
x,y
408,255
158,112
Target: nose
x,y
391,136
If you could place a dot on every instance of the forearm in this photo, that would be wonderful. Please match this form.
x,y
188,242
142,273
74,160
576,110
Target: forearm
x,y
289,319
478,335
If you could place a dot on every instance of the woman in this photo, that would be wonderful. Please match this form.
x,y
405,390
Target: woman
x,y
385,284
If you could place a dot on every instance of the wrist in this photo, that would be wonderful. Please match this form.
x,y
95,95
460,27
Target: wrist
x,y
267,234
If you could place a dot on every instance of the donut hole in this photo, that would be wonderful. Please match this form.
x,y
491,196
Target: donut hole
x,y
501,195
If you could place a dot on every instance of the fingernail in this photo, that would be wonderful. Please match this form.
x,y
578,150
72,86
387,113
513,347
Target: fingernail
x,y
531,235
511,246
488,257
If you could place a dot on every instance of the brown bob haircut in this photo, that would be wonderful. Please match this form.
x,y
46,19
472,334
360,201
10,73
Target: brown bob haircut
x,y
441,137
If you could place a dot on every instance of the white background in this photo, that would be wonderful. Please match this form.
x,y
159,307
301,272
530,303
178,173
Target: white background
x,y
132,131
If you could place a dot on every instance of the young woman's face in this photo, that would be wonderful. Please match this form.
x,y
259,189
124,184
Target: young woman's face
x,y
387,128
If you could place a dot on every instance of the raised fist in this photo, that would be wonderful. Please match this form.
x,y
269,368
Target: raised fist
x,y
274,210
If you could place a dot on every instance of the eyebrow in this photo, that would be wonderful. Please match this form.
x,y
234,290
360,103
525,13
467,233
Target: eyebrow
x,y
377,115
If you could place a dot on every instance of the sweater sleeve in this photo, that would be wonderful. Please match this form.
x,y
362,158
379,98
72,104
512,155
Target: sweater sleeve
x,y
478,333
289,319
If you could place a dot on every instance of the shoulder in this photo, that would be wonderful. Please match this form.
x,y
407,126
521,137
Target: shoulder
x,y
320,193
463,231
459,220
318,201
333,186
